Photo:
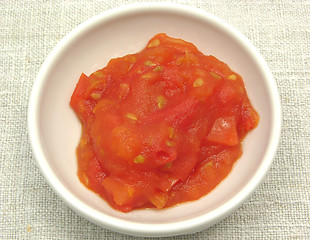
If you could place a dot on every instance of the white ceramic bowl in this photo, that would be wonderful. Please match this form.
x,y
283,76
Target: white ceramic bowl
x,y
55,130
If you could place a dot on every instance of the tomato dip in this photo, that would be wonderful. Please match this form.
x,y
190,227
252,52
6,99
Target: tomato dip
x,y
160,127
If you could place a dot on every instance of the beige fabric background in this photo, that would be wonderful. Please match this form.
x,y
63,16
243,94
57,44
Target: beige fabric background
x,y
280,207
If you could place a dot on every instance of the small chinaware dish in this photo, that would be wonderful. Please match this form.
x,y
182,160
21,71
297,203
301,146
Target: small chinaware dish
x,y
123,100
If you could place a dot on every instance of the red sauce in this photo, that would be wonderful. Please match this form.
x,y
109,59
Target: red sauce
x,y
160,127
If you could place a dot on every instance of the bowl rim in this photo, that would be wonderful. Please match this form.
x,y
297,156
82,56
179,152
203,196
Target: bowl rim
x,y
144,229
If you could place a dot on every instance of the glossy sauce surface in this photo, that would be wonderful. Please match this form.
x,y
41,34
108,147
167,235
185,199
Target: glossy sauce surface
x,y
160,127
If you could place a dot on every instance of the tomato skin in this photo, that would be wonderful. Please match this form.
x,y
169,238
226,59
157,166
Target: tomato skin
x,y
78,100
160,127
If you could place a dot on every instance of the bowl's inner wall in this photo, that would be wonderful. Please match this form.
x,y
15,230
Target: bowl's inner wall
x,y
92,49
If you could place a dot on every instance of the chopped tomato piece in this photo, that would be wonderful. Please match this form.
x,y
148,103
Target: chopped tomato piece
x,y
160,127
224,132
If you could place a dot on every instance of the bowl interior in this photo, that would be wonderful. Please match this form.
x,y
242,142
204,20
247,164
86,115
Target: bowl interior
x,y
118,34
